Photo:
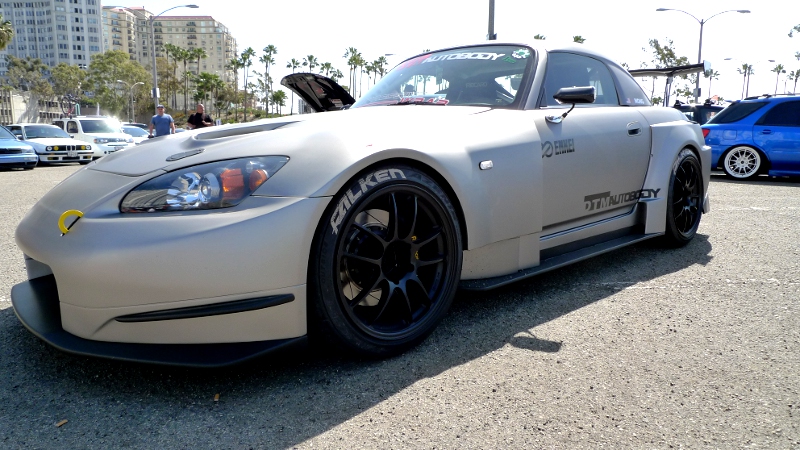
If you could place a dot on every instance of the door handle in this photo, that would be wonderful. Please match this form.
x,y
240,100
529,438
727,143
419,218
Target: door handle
x,y
766,131
634,129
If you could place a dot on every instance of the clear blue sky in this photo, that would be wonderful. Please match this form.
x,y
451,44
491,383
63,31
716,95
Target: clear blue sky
x,y
619,29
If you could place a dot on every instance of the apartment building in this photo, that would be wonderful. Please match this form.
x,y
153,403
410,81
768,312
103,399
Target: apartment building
x,y
54,31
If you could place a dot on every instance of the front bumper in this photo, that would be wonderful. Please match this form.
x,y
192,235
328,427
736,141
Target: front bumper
x,y
36,304
66,156
19,160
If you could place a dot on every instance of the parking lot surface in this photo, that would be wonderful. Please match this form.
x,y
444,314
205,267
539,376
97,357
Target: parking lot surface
x,y
644,347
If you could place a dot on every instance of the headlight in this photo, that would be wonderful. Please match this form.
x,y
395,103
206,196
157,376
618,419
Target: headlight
x,y
100,140
129,140
214,185
49,148
86,147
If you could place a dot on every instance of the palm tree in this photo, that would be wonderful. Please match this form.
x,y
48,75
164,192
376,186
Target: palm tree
x,y
540,37
268,60
351,56
578,39
235,64
6,32
779,69
380,65
310,61
175,52
278,98
745,70
247,61
336,75
293,64
711,74
194,54
359,63
325,68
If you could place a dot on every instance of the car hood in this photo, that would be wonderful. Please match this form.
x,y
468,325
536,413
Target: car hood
x,y
318,91
365,130
56,141
14,144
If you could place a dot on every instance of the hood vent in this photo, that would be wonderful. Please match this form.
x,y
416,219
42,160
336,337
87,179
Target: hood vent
x,y
186,154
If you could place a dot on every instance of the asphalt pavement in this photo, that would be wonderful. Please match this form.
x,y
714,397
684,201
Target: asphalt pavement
x,y
645,347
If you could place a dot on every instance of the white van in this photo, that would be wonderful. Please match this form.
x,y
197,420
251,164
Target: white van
x,y
104,133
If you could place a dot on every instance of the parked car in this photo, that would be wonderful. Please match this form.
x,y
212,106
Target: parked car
x,y
52,144
467,167
756,135
104,133
699,113
136,124
139,135
15,154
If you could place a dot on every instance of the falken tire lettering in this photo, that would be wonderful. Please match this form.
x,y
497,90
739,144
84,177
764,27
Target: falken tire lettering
x,y
364,184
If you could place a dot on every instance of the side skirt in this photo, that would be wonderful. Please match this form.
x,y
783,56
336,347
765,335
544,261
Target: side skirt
x,y
556,261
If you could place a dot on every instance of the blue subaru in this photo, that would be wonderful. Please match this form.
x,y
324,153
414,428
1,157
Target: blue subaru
x,y
756,135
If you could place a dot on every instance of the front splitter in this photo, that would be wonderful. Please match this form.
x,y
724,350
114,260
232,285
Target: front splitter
x,y
36,305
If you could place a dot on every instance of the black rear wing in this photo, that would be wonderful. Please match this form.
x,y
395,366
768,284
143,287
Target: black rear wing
x,y
670,73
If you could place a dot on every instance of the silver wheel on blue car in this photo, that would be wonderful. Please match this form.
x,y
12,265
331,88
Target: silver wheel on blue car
x,y
388,262
684,200
742,162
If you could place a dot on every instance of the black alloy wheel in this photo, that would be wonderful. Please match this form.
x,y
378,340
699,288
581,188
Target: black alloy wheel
x,y
685,201
388,274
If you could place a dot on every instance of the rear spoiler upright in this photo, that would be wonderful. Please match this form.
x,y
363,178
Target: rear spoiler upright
x,y
670,73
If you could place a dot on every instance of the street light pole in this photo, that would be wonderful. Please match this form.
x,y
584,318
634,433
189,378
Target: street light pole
x,y
700,46
130,99
153,48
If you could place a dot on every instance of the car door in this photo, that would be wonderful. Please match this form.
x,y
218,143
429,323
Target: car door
x,y
594,161
777,132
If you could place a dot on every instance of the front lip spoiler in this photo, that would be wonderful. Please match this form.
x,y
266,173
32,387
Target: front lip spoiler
x,y
36,305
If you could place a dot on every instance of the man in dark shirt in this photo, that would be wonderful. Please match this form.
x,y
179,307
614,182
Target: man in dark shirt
x,y
199,119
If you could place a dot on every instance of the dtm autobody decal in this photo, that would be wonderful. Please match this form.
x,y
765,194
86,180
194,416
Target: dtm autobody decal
x,y
605,199
353,194
467,55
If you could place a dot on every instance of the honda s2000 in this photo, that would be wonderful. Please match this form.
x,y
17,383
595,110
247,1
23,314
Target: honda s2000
x,y
467,167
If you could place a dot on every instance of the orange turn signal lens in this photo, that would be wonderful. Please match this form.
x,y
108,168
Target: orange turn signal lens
x,y
232,184
257,178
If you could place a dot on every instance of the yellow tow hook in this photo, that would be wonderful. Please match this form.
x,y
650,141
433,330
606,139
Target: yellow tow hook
x,y
70,212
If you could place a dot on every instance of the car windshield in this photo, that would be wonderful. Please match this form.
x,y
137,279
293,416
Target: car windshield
x,y
486,75
5,134
736,112
40,131
134,131
100,126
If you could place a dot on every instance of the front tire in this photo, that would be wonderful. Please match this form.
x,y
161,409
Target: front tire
x,y
685,199
386,264
742,163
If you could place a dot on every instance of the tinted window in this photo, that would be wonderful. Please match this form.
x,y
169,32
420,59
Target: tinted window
x,y
785,114
630,93
568,70
44,131
736,112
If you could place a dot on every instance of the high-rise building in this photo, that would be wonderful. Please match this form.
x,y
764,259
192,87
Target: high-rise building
x,y
128,30
54,31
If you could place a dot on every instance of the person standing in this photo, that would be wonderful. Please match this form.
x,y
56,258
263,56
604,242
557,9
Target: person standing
x,y
199,119
162,123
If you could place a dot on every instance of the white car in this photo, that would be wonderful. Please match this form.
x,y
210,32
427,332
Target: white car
x,y
104,133
52,144
138,134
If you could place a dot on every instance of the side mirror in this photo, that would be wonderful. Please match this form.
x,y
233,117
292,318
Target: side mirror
x,y
573,95
581,94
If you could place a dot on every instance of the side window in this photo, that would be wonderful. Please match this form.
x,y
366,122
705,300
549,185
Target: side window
x,y
72,127
630,93
16,130
568,70
786,114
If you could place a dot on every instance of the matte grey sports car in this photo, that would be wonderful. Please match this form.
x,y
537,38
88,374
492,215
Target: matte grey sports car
x,y
466,167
